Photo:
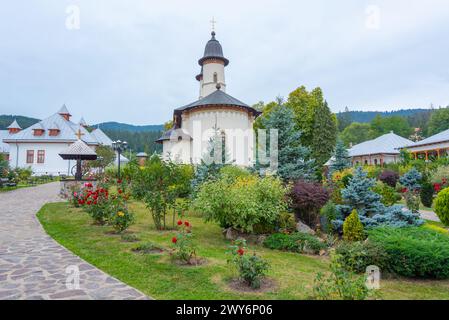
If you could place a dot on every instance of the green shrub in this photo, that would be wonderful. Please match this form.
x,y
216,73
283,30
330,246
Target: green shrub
x,y
251,268
287,222
340,284
234,172
328,214
426,194
442,206
388,194
353,228
243,203
414,251
356,256
296,242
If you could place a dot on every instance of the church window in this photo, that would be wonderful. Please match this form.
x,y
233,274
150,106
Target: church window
x,y
30,156
40,156
215,77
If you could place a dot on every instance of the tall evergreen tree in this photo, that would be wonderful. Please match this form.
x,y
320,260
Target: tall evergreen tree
x,y
294,160
316,122
324,134
341,157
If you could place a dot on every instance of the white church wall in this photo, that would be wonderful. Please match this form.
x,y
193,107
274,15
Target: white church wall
x,y
237,126
53,163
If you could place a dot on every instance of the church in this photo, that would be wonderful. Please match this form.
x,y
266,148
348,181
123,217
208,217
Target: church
x,y
215,113
39,145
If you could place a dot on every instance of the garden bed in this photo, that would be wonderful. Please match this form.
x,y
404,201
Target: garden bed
x,y
157,276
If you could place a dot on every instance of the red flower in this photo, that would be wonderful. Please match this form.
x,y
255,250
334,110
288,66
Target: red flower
x,y
437,187
120,191
240,251
174,240
404,190
187,223
89,202
179,222
119,181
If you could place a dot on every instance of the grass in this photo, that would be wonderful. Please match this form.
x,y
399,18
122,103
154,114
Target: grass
x,y
158,277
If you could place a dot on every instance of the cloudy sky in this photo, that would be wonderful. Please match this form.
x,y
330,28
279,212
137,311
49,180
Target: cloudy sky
x,y
134,61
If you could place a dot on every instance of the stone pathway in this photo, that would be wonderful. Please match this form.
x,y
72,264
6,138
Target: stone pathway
x,y
429,215
34,266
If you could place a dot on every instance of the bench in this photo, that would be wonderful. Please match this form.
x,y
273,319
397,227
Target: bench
x,y
5,182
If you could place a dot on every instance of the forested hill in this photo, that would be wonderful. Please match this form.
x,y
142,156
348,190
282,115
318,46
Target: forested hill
x,y
24,122
129,127
367,116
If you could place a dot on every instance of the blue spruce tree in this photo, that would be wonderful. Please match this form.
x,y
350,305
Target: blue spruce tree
x,y
372,213
293,159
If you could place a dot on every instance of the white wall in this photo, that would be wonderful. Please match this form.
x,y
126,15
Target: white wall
x,y
371,160
238,128
208,85
53,163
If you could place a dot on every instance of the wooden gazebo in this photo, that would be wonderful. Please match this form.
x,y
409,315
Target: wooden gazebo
x,y
78,151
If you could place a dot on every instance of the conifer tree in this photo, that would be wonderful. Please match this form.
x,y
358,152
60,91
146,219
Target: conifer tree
x,y
341,157
294,160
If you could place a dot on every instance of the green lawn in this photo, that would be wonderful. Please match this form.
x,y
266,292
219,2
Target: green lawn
x,y
156,276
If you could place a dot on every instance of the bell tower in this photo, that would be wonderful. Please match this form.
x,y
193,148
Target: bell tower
x,y
212,65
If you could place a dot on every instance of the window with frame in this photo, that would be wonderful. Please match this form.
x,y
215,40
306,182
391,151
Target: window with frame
x,y
40,156
30,156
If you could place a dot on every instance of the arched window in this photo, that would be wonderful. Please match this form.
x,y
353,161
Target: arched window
x,y
215,77
366,162
375,162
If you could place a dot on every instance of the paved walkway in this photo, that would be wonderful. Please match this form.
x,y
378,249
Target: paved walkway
x,y
429,215
34,266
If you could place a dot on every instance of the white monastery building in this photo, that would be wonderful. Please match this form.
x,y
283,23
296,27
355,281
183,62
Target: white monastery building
x,y
194,124
38,146
379,151
433,147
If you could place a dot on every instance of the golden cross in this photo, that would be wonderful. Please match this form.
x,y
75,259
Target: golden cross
x,y
213,22
79,134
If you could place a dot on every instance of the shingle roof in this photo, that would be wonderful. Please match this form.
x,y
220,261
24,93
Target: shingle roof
x,y
101,137
67,132
78,149
4,147
14,125
213,50
217,97
386,144
439,137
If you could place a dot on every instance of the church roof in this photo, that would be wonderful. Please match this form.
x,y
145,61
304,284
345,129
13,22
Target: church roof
x,y
101,137
78,150
386,144
14,125
439,137
217,98
67,133
213,50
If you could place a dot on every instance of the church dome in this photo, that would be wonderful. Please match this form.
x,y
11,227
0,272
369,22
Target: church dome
x,y
213,50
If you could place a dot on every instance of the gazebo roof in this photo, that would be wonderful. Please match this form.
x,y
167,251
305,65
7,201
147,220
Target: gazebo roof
x,y
78,151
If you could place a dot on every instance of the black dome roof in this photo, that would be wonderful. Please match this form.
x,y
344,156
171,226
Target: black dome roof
x,y
213,50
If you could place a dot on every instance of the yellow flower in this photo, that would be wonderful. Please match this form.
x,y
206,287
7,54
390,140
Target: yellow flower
x,y
120,214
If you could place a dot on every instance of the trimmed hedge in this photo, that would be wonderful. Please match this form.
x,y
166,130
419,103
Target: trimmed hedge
x,y
413,251
296,242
